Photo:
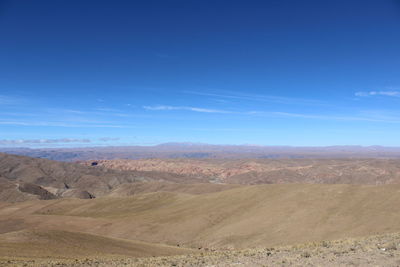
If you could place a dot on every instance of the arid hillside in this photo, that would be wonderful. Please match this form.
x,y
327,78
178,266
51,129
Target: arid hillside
x,y
65,244
148,187
198,212
23,178
269,171
380,250
249,216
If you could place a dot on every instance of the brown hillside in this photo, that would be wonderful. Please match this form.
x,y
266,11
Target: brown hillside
x,y
38,176
381,250
147,187
9,192
65,244
262,215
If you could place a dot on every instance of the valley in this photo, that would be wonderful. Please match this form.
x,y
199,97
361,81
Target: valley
x,y
195,210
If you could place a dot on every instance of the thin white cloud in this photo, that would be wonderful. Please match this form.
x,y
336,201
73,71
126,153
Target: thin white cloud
x,y
93,113
62,124
260,98
42,141
363,117
73,111
8,100
378,93
107,139
326,117
195,109
105,109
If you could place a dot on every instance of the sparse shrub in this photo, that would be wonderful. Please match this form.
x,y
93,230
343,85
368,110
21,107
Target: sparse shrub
x,y
325,244
391,246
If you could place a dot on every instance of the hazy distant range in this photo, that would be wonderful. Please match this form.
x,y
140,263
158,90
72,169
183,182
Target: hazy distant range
x,y
195,150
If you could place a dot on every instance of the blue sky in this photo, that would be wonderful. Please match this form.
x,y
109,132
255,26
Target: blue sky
x,y
302,73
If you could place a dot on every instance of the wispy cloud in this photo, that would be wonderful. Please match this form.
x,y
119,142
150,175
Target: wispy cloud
x,y
92,113
43,141
366,117
8,100
105,109
73,111
259,98
378,93
63,124
383,119
108,139
195,109
363,116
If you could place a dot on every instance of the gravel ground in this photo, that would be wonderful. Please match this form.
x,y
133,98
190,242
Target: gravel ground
x,y
381,250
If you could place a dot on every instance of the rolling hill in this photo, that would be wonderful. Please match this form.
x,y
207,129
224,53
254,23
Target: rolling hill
x,y
66,244
23,178
250,216
116,211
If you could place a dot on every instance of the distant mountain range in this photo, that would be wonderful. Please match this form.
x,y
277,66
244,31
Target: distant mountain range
x,y
198,150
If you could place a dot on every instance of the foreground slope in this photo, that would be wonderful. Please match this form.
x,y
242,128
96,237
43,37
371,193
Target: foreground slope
x,y
252,216
66,244
381,250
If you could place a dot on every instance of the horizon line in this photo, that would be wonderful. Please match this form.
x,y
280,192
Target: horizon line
x,y
193,144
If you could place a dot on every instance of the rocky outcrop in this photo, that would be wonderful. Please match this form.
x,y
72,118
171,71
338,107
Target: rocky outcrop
x,y
34,189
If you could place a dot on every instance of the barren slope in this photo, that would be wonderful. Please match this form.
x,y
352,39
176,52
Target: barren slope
x,y
381,250
9,192
43,178
148,187
65,244
244,217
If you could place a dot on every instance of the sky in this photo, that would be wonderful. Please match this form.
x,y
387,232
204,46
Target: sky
x,y
298,73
